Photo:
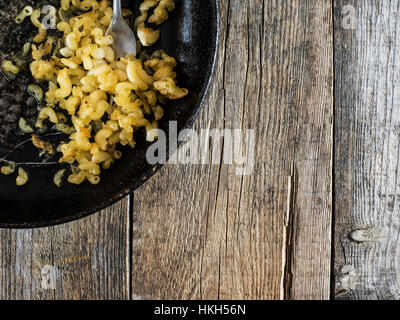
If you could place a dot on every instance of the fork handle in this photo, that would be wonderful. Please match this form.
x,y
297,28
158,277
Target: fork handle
x,y
117,7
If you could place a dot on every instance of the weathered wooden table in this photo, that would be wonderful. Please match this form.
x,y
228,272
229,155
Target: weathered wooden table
x,y
319,217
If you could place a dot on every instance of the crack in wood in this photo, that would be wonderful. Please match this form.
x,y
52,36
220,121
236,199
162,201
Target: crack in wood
x,y
288,231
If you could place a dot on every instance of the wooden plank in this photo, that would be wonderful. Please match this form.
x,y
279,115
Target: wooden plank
x,y
88,257
306,92
202,232
367,154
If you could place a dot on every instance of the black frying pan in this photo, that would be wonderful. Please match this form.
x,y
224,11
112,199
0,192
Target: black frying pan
x,y
190,35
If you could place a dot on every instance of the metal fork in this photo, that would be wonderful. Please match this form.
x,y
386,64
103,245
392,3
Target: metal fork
x,y
124,38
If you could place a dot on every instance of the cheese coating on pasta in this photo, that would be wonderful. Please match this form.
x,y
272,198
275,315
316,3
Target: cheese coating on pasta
x,y
107,99
98,100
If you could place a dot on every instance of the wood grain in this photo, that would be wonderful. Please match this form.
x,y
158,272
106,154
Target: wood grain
x,y
202,232
89,256
367,151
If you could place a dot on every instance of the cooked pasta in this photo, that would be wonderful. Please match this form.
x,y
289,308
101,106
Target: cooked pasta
x,y
58,177
106,99
22,177
8,66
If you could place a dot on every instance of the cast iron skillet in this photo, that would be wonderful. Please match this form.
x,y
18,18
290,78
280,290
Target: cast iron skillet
x,y
191,36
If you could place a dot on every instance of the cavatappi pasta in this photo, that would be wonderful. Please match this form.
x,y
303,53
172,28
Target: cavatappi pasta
x,y
7,170
106,99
